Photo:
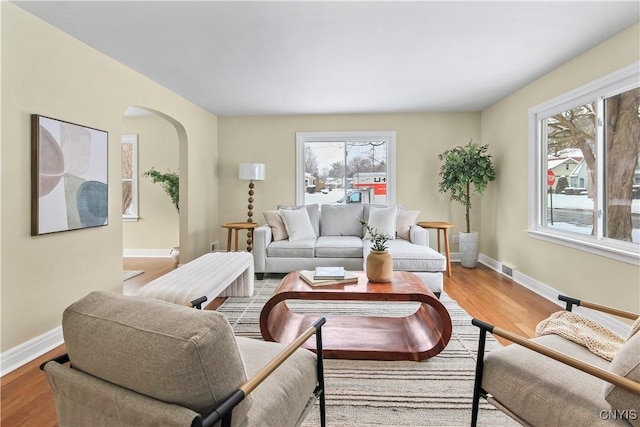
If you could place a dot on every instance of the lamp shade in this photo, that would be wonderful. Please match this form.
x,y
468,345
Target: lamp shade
x,y
251,171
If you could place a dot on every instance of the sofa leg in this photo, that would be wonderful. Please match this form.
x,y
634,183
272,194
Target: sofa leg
x,y
437,294
259,276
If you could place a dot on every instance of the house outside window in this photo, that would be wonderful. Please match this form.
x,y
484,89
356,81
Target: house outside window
x,y
591,135
129,162
345,167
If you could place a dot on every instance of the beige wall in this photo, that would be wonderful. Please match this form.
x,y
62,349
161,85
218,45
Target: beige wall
x,y
45,71
505,205
158,226
272,140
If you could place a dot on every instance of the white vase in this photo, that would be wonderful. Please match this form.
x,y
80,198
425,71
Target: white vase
x,y
175,254
469,249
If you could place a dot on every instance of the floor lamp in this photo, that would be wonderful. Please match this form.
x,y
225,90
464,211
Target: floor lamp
x,y
251,172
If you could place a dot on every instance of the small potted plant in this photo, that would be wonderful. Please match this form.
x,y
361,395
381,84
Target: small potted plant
x,y
170,182
379,265
463,167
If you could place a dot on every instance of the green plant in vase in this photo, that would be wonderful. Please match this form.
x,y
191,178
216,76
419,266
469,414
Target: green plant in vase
x,y
379,265
170,182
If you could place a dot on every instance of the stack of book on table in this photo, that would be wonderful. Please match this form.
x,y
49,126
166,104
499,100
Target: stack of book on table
x,y
323,276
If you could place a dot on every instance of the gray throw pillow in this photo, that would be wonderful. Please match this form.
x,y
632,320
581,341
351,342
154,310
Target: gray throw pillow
x,y
341,220
625,363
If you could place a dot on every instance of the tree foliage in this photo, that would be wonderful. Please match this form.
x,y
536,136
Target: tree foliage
x,y
170,182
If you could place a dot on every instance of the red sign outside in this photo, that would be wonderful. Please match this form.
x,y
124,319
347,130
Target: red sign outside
x,y
551,178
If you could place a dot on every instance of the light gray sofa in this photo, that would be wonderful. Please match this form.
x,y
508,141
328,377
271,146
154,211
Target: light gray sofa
x,y
338,241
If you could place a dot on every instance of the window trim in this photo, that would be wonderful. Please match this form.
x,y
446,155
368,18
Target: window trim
x,y
609,85
388,136
133,140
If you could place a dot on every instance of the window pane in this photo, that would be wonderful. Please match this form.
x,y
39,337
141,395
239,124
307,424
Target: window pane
x,y
571,161
367,172
127,161
622,130
324,172
127,198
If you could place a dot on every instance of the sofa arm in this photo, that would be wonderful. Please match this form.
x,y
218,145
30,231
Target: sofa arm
x,y
261,239
418,235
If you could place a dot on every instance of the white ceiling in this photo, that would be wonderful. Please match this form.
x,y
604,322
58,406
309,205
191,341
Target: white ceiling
x,y
319,57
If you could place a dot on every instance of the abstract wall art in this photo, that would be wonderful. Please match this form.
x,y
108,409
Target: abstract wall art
x,y
69,164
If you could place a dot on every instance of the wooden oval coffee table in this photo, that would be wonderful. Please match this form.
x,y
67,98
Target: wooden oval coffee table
x,y
418,336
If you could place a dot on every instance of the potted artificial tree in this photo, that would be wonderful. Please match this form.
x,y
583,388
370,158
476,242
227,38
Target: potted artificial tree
x,y
465,166
170,182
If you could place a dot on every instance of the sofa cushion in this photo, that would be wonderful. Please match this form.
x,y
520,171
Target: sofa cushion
x,y
313,211
409,257
339,247
626,363
404,221
278,231
383,220
298,224
292,249
543,391
341,220
165,351
283,395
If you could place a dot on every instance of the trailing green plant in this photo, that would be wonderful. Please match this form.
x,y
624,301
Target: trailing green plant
x,y
463,166
170,182
378,240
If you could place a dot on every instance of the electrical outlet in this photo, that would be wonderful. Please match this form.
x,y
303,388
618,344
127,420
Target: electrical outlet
x,y
455,238
215,246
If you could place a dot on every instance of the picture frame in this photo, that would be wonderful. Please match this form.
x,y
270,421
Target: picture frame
x,y
69,176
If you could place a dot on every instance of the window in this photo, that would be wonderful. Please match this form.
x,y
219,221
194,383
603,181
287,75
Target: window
x,y
594,204
345,167
129,151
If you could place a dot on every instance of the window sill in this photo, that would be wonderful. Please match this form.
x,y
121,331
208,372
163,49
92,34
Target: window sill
x,y
130,218
619,254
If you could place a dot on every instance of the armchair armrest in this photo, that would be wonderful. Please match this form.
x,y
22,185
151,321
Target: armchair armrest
x,y
224,411
603,308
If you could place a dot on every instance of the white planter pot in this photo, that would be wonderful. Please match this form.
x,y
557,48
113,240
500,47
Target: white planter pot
x,y
469,249
175,254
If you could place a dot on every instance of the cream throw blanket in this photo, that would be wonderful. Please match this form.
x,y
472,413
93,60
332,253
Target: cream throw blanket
x,y
598,339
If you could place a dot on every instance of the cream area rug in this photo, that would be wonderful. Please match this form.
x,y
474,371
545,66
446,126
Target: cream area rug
x,y
129,274
436,392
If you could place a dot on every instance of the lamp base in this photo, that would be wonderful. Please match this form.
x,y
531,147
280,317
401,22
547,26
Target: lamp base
x,y
249,216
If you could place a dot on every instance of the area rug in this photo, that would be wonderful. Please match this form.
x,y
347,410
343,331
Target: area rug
x,y
129,274
436,392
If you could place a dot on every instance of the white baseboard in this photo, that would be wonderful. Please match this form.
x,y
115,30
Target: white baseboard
x,y
24,353
551,294
147,253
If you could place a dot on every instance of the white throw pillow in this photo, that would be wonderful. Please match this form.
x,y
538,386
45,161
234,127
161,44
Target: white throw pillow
x,y
404,222
383,220
298,224
274,220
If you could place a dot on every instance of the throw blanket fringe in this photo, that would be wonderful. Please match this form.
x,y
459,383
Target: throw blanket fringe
x,y
595,337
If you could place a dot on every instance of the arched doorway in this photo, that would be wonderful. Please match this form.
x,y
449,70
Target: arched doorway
x,y
152,224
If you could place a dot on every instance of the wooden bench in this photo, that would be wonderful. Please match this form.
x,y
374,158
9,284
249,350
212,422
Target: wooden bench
x,y
212,275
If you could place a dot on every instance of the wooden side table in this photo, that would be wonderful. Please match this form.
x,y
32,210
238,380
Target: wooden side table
x,y
237,226
444,226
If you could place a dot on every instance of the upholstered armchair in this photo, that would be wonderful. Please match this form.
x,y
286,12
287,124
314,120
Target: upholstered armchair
x,y
142,362
554,381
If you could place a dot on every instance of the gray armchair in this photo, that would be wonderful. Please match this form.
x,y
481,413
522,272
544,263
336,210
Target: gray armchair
x,y
143,362
552,381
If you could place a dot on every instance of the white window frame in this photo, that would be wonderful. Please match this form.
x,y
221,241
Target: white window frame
x,y
388,136
133,141
607,86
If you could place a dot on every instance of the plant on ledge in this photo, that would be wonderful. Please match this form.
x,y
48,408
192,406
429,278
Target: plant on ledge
x,y
170,182
378,240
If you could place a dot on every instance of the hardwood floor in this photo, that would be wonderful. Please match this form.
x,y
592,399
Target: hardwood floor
x,y
26,399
